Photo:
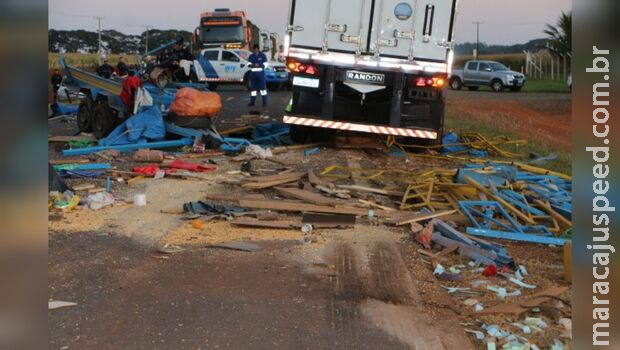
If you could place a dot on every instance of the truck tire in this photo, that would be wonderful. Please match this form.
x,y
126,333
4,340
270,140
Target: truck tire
x,y
85,115
212,86
515,88
456,84
299,133
473,88
497,85
103,120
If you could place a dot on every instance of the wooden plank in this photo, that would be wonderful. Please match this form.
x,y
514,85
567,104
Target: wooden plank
x,y
68,161
371,190
263,185
83,187
306,196
404,220
301,207
266,224
315,180
557,216
328,220
261,182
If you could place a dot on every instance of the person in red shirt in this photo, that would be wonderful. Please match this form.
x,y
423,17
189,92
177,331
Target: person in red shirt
x,y
130,88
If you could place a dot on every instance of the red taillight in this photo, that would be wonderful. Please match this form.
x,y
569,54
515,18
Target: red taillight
x,y
428,82
298,67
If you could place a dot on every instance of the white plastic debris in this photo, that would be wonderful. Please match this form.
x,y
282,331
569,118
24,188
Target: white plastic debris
x,y
439,270
307,228
524,328
479,335
57,304
470,302
501,292
99,200
478,307
258,152
536,322
521,283
523,270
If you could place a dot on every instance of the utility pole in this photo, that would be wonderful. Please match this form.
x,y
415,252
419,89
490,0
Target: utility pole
x,y
146,40
477,38
100,50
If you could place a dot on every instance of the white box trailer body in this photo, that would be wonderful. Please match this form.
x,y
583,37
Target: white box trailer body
x,y
384,51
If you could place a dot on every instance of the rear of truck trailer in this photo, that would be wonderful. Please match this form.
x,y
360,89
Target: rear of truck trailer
x,y
374,66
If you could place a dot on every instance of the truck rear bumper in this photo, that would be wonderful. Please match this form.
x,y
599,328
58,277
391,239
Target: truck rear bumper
x,y
372,129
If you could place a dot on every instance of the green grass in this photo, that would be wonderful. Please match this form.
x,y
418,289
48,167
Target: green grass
x,y
546,86
563,162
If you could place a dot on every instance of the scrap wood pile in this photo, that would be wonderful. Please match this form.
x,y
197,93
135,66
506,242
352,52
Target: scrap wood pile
x,y
448,210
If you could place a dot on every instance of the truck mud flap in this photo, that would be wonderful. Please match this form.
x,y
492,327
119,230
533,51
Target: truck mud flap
x,y
373,129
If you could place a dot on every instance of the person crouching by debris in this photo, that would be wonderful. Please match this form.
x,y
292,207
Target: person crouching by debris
x,y
130,88
121,68
257,76
105,70
178,60
56,80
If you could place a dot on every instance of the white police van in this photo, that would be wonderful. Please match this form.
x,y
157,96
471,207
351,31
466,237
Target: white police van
x,y
231,66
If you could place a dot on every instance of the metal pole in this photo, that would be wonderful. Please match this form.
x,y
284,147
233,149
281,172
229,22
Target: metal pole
x,y
99,51
477,38
146,39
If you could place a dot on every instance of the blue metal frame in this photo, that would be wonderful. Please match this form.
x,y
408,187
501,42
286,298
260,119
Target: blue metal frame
x,y
515,236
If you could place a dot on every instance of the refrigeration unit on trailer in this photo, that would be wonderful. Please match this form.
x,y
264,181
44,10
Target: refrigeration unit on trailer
x,y
375,66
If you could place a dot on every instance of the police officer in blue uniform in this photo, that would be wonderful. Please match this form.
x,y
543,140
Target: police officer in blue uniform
x,y
258,61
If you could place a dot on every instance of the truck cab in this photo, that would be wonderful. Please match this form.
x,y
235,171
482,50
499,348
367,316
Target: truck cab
x,y
487,73
228,66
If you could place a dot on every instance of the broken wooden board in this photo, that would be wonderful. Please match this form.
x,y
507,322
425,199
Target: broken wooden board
x,y
262,182
328,220
518,308
315,180
301,207
241,246
404,220
83,187
266,224
371,190
306,196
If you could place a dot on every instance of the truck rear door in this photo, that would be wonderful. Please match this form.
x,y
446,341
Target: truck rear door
x,y
417,29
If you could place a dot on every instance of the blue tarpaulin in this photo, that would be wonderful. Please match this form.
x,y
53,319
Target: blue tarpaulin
x,y
64,109
148,125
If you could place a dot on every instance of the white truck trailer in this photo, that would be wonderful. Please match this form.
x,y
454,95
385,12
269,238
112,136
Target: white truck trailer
x,y
374,66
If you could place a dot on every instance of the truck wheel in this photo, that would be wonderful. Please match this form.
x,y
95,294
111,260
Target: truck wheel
x,y
299,133
473,88
212,86
103,120
85,115
497,85
515,88
456,84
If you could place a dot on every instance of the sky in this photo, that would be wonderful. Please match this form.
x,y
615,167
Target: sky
x,y
504,21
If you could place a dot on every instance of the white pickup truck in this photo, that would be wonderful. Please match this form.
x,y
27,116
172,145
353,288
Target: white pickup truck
x,y
369,66
487,73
